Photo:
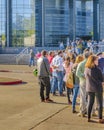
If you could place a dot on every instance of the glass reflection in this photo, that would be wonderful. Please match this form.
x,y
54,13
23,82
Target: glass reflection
x,y
2,24
84,18
23,24
56,21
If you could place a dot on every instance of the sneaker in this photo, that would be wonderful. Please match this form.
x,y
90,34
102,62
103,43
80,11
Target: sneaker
x,y
81,115
54,94
48,100
62,94
74,111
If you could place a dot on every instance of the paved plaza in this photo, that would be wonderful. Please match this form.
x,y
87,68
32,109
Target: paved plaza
x,y
21,109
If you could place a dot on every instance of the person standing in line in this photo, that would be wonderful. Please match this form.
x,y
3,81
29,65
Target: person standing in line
x,y
94,86
44,77
38,55
57,73
82,83
50,58
79,59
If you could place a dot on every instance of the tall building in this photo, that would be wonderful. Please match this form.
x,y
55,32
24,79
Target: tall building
x,y
48,22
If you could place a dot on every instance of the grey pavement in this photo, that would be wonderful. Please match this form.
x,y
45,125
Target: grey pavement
x,y
21,109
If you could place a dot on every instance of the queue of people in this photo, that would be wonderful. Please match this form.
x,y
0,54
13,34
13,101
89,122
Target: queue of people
x,y
87,68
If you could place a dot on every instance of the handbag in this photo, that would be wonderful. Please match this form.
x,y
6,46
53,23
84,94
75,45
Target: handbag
x,y
35,72
70,80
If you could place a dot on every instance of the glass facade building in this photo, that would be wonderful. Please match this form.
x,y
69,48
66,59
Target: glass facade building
x,y
2,23
56,21
48,22
84,18
23,23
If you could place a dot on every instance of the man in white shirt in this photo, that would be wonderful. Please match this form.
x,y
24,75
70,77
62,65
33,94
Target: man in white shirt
x,y
57,73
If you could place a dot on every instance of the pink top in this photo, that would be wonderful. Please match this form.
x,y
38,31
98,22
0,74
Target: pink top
x,y
38,55
67,70
50,60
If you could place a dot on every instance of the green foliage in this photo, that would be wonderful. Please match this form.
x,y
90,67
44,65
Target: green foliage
x,y
27,30
3,38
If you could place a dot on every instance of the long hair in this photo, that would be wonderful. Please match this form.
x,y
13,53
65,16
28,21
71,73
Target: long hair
x,y
72,57
79,58
90,61
67,61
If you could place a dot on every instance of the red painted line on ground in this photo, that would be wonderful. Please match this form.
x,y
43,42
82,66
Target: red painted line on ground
x,y
14,71
5,71
11,82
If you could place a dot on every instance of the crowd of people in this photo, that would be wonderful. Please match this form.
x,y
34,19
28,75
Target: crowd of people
x,y
87,69
79,45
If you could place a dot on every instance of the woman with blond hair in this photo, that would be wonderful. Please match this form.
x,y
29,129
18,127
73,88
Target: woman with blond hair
x,y
79,58
94,86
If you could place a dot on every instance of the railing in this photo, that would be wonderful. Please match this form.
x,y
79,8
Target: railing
x,y
21,54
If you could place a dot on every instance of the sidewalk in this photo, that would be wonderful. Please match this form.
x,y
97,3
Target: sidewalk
x,y
21,109
65,120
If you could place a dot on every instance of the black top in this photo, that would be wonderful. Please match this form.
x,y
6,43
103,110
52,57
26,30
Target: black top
x,y
94,79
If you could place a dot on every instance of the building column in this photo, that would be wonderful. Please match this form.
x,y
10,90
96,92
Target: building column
x,y
43,23
83,8
72,20
101,19
95,20
9,23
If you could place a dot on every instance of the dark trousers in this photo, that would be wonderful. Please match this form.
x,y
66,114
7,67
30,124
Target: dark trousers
x,y
44,83
69,91
103,77
91,99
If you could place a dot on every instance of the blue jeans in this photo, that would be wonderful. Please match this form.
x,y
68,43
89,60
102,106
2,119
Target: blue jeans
x,y
57,80
31,61
75,93
51,81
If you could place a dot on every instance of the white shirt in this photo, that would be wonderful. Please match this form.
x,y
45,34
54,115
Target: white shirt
x,y
89,44
58,62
